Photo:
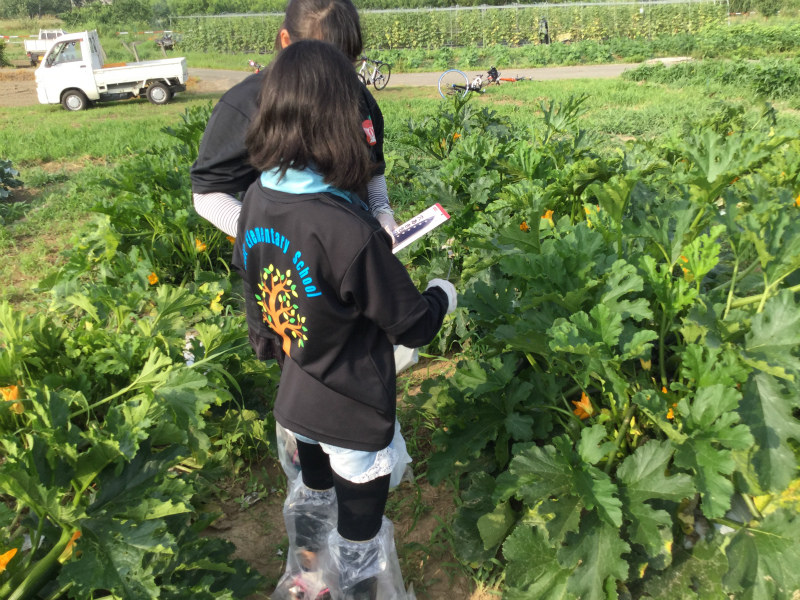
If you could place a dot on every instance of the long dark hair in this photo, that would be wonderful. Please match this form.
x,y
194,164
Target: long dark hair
x,y
309,117
332,21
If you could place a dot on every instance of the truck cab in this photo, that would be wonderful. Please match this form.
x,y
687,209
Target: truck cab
x,y
36,49
73,74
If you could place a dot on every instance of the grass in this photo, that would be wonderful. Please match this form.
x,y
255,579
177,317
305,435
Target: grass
x,y
109,131
615,107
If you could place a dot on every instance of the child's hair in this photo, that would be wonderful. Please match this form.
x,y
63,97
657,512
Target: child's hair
x,y
309,116
332,21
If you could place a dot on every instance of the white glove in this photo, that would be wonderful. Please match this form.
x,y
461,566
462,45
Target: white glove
x,y
449,289
387,222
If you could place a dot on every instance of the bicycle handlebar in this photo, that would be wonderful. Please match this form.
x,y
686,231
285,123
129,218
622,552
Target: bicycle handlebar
x,y
372,60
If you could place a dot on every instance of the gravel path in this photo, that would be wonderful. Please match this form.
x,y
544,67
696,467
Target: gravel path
x,y
16,92
214,80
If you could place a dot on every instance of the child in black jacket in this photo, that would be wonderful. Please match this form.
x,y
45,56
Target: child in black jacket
x,y
323,279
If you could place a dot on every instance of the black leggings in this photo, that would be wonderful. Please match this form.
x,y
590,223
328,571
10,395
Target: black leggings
x,y
361,505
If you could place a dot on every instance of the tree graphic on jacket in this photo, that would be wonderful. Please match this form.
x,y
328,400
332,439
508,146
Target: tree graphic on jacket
x,y
279,311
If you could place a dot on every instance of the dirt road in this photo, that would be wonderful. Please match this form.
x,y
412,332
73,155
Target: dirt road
x,y
18,92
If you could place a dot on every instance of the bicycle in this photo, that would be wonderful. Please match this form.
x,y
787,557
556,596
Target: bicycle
x,y
257,68
517,78
456,83
379,77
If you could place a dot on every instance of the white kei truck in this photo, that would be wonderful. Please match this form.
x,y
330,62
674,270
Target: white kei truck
x,y
36,49
74,75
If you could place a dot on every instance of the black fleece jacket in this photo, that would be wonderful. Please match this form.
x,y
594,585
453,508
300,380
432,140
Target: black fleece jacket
x,y
320,274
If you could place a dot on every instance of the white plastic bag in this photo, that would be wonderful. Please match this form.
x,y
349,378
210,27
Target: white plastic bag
x,y
404,358
402,468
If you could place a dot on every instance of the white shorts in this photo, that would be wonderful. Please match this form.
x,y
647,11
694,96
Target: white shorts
x,y
357,466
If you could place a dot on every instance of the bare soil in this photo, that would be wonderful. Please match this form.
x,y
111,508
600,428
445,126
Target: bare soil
x,y
18,88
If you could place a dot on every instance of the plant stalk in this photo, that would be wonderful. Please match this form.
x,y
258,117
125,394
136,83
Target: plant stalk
x,y
40,574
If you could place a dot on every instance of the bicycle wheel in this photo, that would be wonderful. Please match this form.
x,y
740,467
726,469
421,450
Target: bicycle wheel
x,y
382,75
362,79
453,83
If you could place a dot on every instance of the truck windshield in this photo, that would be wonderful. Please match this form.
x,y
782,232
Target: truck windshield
x,y
66,52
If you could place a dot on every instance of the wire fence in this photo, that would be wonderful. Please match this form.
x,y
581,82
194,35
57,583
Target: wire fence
x,y
512,25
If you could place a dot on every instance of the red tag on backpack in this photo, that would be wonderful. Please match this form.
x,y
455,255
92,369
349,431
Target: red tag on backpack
x,y
370,131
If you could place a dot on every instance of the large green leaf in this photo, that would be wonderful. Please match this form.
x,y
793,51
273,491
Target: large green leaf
x,y
121,488
595,552
533,572
592,448
113,558
695,575
642,476
494,526
614,195
566,516
595,334
621,281
711,420
774,336
485,403
537,474
767,409
763,561
476,502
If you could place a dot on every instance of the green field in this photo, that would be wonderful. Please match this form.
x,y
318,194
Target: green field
x,y
611,412
62,151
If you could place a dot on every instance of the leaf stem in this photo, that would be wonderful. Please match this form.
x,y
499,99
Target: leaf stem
x,y
739,302
751,506
728,522
37,540
662,360
743,274
623,430
730,291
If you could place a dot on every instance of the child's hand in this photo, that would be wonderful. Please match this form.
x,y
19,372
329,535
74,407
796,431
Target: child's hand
x,y
387,222
449,289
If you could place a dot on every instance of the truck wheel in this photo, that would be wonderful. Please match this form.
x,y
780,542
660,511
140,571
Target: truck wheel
x,y
158,93
74,100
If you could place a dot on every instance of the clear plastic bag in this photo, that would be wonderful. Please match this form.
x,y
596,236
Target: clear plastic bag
x,y
287,452
365,570
310,516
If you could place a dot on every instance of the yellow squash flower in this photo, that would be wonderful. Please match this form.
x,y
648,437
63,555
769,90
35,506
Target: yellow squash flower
x,y
11,394
199,245
216,305
525,227
583,409
5,558
152,278
549,216
230,238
